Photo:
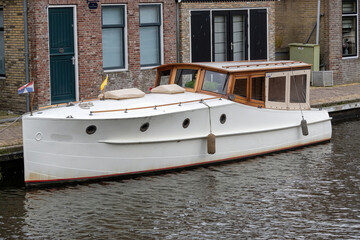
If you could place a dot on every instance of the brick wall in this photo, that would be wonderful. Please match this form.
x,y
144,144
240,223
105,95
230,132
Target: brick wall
x,y
185,8
296,18
89,37
14,57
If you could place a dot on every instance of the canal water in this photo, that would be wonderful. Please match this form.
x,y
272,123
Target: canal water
x,y
310,193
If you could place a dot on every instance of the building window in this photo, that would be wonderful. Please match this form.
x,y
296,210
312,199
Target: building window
x,y
113,36
349,28
2,47
150,35
229,35
229,38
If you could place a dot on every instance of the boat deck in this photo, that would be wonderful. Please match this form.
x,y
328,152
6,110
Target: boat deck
x,y
149,105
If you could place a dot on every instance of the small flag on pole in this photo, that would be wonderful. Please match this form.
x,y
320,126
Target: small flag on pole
x,y
27,88
104,83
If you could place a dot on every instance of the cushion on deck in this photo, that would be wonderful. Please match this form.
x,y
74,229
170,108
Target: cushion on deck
x,y
169,89
123,94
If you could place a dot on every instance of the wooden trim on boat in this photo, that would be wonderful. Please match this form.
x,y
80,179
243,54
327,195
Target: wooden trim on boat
x,y
65,104
153,106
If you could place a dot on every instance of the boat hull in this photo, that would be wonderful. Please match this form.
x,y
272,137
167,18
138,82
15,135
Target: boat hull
x,y
58,150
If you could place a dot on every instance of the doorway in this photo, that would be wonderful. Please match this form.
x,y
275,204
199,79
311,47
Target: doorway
x,y
62,55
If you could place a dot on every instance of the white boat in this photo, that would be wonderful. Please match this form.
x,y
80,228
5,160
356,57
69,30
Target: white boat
x,y
196,114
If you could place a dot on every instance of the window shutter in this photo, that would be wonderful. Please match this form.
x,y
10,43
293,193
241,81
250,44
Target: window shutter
x,y
258,34
200,36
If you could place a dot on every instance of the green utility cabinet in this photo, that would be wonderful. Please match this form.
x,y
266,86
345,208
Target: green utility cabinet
x,y
308,53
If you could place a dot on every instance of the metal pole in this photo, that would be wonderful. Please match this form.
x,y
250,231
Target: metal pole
x,y
177,30
318,23
26,54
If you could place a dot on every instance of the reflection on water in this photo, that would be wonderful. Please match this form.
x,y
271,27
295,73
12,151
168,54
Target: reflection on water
x,y
311,193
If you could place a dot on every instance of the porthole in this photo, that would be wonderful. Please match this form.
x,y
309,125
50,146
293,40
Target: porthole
x,y
223,118
91,129
186,123
144,127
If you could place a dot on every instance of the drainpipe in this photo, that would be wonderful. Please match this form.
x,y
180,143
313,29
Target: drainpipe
x,y
318,23
177,30
26,54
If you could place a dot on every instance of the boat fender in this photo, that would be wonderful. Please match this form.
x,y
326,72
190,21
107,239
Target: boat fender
x,y
304,127
211,143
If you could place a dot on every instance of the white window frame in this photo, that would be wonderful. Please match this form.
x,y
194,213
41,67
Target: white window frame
x,y
161,35
357,30
126,53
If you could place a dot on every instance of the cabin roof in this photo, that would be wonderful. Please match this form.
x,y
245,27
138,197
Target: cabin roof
x,y
247,65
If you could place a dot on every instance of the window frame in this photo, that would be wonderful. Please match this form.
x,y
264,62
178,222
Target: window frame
x,y
124,30
160,27
356,15
246,12
287,104
2,29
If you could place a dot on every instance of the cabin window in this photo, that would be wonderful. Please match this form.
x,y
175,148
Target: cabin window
x,y
349,28
277,86
186,77
257,88
240,87
215,82
164,77
298,89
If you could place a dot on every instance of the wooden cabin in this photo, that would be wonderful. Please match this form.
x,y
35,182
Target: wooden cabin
x,y
276,84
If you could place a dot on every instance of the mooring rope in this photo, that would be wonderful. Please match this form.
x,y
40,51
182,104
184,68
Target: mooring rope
x,y
203,102
2,130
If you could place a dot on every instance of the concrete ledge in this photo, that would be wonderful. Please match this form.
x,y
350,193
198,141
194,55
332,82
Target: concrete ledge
x,y
9,120
5,152
339,106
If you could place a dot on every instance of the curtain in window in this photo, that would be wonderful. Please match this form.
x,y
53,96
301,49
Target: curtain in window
x,y
349,28
112,48
149,46
220,39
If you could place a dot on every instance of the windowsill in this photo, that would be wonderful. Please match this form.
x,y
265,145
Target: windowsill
x,y
350,57
2,77
149,67
116,70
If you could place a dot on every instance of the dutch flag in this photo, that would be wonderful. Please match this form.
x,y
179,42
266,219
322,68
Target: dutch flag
x,y
27,88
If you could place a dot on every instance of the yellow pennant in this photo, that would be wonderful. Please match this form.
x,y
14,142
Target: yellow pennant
x,y
104,83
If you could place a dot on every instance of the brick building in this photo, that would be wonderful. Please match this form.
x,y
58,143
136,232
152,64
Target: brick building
x,y
226,30
73,43
338,38
12,55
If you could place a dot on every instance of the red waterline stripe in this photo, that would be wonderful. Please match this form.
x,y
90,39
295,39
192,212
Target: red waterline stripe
x,y
171,168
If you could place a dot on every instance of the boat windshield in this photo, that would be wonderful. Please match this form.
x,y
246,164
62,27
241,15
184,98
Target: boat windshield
x,y
186,77
164,77
215,82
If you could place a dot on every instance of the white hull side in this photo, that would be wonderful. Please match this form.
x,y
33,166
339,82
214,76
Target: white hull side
x,y
60,150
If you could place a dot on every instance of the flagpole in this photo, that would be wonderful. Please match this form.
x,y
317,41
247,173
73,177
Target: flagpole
x,y
103,90
32,101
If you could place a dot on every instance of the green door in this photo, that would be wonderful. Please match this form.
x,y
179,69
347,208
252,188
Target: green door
x,y
62,57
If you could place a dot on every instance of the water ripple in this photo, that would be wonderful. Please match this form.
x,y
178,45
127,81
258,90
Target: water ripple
x,y
310,193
